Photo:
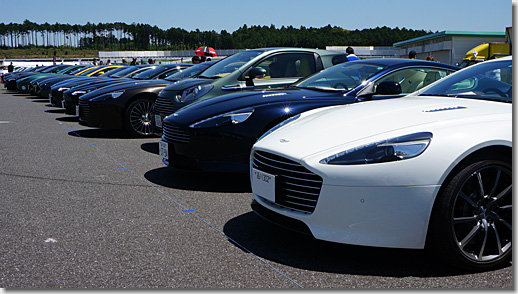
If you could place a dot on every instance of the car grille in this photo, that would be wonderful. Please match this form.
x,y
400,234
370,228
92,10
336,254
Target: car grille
x,y
173,134
84,111
295,186
164,106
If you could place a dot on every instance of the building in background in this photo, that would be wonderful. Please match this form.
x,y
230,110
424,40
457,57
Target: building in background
x,y
447,46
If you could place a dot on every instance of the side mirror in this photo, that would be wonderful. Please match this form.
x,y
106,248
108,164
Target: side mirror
x,y
388,88
254,73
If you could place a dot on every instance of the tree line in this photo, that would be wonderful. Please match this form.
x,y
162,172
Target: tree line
x,y
125,37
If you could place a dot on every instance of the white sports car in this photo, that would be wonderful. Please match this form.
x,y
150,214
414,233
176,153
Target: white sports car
x,y
430,169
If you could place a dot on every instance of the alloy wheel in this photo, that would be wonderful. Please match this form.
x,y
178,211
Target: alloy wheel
x,y
482,214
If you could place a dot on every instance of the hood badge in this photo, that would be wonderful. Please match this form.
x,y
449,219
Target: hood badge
x,y
284,140
444,109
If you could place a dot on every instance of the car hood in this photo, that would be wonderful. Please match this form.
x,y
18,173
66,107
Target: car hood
x,y
124,86
331,127
235,101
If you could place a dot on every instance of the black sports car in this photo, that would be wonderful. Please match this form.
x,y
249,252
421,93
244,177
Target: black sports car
x,y
128,105
217,134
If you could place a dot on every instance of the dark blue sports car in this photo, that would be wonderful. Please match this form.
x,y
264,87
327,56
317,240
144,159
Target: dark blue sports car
x,y
217,134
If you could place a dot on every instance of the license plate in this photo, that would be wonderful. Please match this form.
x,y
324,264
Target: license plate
x,y
263,184
158,121
163,150
77,109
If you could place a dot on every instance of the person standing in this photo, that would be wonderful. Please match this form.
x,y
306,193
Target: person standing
x,y
412,55
350,54
10,67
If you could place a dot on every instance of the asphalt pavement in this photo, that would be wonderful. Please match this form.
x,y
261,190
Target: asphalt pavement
x,y
87,208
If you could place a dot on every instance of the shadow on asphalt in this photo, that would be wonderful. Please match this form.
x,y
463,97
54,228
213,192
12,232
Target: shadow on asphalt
x,y
151,147
280,245
41,101
199,181
68,118
56,110
100,133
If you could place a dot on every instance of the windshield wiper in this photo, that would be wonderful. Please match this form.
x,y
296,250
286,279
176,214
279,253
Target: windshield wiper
x,y
204,77
323,89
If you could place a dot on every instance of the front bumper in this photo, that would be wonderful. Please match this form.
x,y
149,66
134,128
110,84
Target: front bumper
x,y
100,114
395,217
211,152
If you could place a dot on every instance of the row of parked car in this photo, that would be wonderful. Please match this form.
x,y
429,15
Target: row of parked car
x,y
380,152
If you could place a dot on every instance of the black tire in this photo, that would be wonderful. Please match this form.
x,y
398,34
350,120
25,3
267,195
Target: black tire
x,y
137,120
471,224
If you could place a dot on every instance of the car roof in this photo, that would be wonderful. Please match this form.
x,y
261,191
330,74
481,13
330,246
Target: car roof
x,y
280,49
404,62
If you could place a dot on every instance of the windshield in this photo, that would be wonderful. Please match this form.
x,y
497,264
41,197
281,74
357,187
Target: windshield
x,y
78,70
487,80
127,70
342,77
148,74
189,71
114,71
229,64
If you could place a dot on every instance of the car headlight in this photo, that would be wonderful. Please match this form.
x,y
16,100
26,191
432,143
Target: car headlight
x,y
116,95
394,149
279,125
229,118
62,89
195,92
79,92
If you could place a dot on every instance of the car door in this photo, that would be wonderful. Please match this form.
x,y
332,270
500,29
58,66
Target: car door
x,y
283,69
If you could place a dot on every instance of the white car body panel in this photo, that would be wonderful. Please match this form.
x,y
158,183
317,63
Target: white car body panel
x,y
393,212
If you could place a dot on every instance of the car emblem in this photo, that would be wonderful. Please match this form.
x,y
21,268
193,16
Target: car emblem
x,y
284,140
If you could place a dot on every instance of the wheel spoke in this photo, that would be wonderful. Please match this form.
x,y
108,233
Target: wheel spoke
x,y
501,195
497,179
485,227
466,197
462,220
480,183
470,236
498,243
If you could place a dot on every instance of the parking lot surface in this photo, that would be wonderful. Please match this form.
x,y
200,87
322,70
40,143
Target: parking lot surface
x,y
93,208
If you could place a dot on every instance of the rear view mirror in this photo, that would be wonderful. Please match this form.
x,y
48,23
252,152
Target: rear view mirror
x,y
257,72
388,88
254,73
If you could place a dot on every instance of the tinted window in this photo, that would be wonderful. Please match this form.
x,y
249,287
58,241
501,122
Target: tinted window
x,y
413,79
487,80
344,76
288,65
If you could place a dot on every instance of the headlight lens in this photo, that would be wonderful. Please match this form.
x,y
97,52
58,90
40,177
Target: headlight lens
x,y
394,149
78,92
195,92
229,118
279,125
116,95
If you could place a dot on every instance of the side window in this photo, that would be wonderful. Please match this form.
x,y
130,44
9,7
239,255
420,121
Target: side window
x,y
413,79
288,65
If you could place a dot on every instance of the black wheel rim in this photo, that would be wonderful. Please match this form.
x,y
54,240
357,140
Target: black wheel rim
x,y
140,117
482,214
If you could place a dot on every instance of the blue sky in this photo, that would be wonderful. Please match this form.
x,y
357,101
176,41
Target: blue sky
x,y
437,15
